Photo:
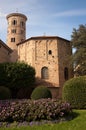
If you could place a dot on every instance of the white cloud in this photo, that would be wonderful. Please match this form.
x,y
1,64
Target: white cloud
x,y
81,12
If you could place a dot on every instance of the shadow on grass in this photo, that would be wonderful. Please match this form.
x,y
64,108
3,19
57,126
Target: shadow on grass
x,y
72,115
75,114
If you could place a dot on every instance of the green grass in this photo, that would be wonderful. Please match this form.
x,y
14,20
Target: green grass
x,y
78,123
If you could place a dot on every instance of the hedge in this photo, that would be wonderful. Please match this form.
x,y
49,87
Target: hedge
x,y
74,92
41,92
5,93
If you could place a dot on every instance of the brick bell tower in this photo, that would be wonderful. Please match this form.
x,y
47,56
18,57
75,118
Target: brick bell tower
x,y
16,32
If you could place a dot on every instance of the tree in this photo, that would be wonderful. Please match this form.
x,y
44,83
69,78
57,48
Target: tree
x,y
78,40
16,76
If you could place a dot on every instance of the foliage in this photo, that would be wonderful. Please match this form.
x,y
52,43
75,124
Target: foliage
x,y
16,75
24,93
67,125
79,43
41,92
4,93
30,110
74,92
3,75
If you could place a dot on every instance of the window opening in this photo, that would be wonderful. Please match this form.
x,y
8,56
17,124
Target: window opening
x,y
44,73
12,39
50,52
14,22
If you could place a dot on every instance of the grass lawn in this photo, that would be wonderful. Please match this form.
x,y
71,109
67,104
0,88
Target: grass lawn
x,y
78,123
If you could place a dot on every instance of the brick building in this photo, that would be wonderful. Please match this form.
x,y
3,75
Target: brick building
x,y
49,55
5,52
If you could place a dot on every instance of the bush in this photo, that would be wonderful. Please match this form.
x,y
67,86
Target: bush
x,y
4,93
41,92
16,76
74,92
24,93
3,75
30,110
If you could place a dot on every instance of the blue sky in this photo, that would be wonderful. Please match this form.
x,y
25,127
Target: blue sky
x,y
49,17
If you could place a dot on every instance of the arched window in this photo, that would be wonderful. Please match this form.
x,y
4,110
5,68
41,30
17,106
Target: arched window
x,y
14,22
22,24
12,39
66,73
50,52
13,30
44,73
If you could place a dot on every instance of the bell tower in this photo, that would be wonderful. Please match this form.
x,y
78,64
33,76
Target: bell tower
x,y
16,32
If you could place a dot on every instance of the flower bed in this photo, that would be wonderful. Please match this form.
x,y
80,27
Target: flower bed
x,y
33,110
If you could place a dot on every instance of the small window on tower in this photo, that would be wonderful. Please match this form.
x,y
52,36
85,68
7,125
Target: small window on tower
x,y
22,31
13,30
14,22
22,24
12,39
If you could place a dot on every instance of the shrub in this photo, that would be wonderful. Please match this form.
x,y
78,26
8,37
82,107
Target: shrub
x,y
16,76
30,110
41,92
74,92
3,75
24,93
4,93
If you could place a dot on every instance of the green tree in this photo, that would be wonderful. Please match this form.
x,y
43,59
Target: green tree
x,y
16,76
78,40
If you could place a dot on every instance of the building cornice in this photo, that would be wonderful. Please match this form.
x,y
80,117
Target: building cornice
x,y
16,14
43,37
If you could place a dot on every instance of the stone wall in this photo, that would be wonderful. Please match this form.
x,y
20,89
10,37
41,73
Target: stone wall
x,y
4,53
64,53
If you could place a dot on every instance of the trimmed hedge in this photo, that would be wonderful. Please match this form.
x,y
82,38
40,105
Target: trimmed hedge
x,y
30,110
74,92
5,93
41,92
